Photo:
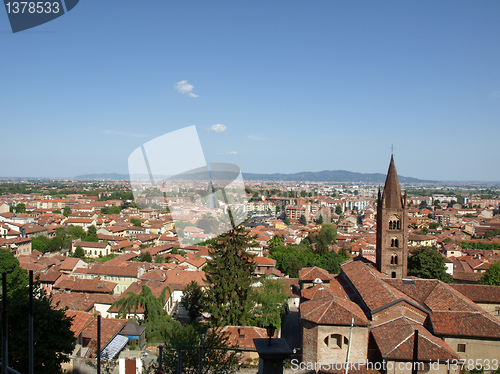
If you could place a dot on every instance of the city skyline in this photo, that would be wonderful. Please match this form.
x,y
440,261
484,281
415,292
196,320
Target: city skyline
x,y
273,87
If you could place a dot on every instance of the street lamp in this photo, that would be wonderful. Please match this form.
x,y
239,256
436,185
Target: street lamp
x,y
270,331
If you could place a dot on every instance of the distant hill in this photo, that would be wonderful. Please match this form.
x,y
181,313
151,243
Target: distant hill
x,y
310,176
102,176
329,176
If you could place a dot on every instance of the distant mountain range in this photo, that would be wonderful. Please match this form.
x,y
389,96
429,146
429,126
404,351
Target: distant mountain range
x,y
309,176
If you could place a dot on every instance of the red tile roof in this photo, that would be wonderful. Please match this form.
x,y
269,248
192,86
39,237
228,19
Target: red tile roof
x,y
333,311
395,340
311,273
479,293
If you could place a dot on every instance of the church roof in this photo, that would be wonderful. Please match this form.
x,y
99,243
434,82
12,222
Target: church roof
x,y
391,198
395,339
333,311
370,286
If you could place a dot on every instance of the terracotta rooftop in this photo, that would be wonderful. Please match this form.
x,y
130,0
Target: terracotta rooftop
x,y
95,285
311,273
80,320
333,311
242,336
479,293
395,340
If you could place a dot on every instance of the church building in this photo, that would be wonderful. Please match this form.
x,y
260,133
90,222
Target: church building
x,y
392,228
374,312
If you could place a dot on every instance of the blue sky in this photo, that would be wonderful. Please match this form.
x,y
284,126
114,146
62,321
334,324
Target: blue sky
x,y
297,86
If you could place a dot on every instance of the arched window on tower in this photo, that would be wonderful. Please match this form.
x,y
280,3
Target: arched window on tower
x,y
394,259
394,243
394,223
393,275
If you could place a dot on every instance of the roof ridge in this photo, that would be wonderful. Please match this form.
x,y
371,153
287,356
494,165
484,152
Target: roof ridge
x,y
328,307
381,282
404,340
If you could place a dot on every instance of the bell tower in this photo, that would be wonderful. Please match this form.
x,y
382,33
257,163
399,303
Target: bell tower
x,y
392,227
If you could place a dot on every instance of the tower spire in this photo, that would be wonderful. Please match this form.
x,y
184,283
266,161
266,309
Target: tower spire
x,y
391,198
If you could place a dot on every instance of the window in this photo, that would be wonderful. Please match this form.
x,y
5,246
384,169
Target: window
x,y
394,260
394,243
460,347
497,311
393,275
394,223
335,341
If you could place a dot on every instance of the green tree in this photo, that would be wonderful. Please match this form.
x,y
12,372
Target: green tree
x,y
79,252
338,210
136,222
56,244
53,339
20,208
230,272
145,257
193,300
293,266
114,210
492,275
159,259
303,220
208,223
427,262
159,325
66,211
325,238
216,356
287,221
270,302
16,276
92,230
274,242
320,220
57,211
40,243
76,232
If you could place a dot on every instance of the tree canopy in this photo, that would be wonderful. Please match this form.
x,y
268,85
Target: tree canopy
x,y
270,301
216,357
53,338
427,262
193,300
156,320
230,272
492,275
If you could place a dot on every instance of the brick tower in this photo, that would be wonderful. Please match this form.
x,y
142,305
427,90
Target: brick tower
x,y
392,227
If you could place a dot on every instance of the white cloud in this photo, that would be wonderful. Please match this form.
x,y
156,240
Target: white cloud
x,y
185,88
231,153
217,128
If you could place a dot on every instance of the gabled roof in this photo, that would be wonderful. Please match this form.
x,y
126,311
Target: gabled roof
x,y
79,320
395,340
333,311
310,274
368,283
479,293
452,314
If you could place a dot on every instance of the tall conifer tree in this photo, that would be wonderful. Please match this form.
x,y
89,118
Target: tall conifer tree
x,y
230,274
